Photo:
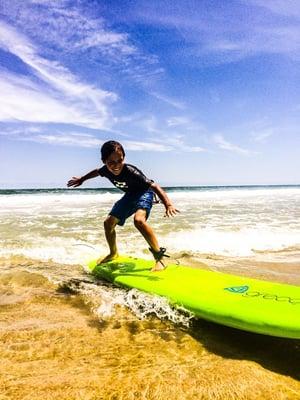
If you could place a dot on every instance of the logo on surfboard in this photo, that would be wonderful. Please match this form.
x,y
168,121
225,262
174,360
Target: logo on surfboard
x,y
243,290
237,289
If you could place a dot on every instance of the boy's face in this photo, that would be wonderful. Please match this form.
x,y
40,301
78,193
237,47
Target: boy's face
x,y
115,162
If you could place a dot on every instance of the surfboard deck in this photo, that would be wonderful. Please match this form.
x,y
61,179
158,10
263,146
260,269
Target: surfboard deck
x,y
244,303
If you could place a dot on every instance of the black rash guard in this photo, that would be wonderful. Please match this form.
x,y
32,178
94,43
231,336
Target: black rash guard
x,y
130,180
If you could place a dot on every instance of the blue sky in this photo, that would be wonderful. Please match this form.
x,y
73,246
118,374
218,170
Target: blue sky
x,y
199,92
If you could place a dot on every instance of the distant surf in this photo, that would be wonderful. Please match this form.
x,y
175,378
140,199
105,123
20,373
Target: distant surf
x,y
254,222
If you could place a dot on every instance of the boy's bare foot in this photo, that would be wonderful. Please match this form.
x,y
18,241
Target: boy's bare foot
x,y
158,255
109,257
158,266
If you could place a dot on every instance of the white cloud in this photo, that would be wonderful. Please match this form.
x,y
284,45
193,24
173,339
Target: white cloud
x,y
62,98
67,140
262,135
225,145
66,25
223,34
74,30
185,124
281,7
23,100
115,41
177,121
50,71
52,25
146,146
43,134
171,134
192,149
177,142
90,141
172,102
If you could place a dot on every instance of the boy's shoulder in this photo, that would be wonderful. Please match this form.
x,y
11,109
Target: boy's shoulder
x,y
133,170
131,167
128,168
102,171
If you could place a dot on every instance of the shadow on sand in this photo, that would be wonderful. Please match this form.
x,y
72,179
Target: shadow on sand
x,y
279,355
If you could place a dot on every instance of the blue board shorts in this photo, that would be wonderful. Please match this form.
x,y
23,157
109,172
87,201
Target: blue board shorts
x,y
130,203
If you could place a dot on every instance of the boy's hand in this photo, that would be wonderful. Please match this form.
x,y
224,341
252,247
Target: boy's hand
x,y
171,211
75,181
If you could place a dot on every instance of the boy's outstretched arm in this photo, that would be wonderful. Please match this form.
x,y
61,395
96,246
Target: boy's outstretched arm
x,y
170,209
77,181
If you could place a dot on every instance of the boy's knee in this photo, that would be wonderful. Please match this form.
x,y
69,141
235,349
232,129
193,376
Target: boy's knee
x,y
109,224
139,221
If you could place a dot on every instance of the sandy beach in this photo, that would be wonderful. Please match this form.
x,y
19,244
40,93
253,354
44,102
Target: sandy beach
x,y
54,346
190,109
66,335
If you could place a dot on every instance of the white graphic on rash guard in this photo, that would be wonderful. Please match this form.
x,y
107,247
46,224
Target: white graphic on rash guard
x,y
130,180
121,185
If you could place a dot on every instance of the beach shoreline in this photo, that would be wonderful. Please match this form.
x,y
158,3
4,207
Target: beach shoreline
x,y
65,335
54,346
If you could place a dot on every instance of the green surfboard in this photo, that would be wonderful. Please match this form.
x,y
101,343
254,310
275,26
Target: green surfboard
x,y
245,303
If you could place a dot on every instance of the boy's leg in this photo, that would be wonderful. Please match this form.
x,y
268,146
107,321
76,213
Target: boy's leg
x,y
140,222
110,234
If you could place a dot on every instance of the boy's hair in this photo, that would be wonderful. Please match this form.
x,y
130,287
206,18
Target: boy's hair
x,y
109,147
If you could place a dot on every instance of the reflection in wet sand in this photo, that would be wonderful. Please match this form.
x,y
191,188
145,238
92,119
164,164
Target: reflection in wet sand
x,y
53,346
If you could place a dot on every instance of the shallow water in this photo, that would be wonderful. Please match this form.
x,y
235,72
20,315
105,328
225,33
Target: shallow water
x,y
253,223
78,340
66,335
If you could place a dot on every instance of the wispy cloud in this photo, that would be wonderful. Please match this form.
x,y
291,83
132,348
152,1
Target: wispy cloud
x,y
179,143
58,97
262,135
70,139
36,134
177,121
281,7
67,25
22,99
258,130
68,30
172,102
44,35
55,136
184,123
176,133
226,145
146,146
218,34
50,71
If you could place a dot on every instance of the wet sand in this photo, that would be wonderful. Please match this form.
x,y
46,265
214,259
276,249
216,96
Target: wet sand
x,y
53,347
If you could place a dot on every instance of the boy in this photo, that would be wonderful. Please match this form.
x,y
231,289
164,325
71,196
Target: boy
x,y
138,200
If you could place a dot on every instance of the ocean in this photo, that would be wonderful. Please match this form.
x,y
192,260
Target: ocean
x,y
67,335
